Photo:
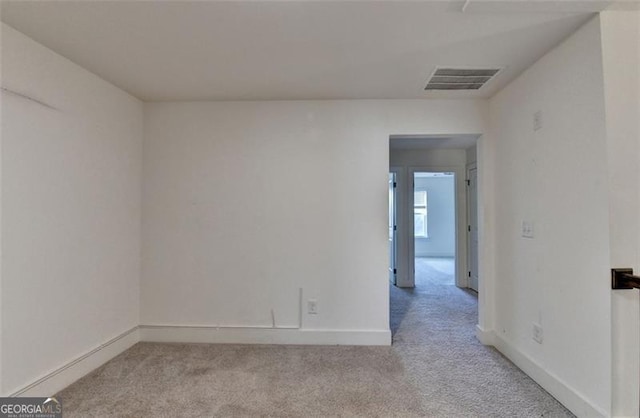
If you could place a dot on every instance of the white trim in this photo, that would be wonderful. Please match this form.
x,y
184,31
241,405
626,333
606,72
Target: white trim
x,y
396,179
258,335
402,273
63,376
471,166
486,337
565,394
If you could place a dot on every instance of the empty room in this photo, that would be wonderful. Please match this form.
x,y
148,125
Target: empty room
x,y
320,208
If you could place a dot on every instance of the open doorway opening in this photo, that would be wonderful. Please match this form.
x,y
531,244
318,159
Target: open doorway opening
x,y
434,228
430,251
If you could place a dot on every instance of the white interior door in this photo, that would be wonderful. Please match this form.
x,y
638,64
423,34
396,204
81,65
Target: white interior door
x,y
392,228
472,235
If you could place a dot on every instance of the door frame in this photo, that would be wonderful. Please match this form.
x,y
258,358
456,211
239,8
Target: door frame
x,y
472,166
393,227
461,277
401,268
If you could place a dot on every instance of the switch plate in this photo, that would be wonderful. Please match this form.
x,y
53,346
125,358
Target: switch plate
x,y
312,306
527,229
537,120
537,334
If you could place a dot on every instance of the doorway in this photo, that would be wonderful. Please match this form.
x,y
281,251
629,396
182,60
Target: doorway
x,y
412,158
434,228
410,154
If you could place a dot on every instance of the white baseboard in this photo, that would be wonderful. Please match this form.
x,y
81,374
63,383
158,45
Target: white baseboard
x,y
256,335
485,336
565,394
63,376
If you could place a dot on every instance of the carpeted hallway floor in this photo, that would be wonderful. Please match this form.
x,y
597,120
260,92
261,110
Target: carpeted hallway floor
x,y
435,368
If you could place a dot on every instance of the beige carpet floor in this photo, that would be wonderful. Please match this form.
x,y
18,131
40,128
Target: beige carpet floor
x,y
435,368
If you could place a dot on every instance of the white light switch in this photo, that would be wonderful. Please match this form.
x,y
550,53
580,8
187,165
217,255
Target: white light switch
x,y
537,120
312,306
537,333
527,229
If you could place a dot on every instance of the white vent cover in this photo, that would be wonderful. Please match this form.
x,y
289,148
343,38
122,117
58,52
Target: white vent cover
x,y
460,78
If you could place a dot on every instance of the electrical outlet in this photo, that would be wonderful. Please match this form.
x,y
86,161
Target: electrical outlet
x,y
537,120
312,306
527,229
537,334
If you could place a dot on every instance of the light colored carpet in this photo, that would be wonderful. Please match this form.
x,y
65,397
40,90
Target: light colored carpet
x,y
435,368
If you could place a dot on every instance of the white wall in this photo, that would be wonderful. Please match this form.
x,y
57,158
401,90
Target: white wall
x,y
70,211
427,157
220,249
555,177
621,62
441,217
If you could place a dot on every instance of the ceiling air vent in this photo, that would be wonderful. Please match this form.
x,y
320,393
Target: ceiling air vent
x,y
460,78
